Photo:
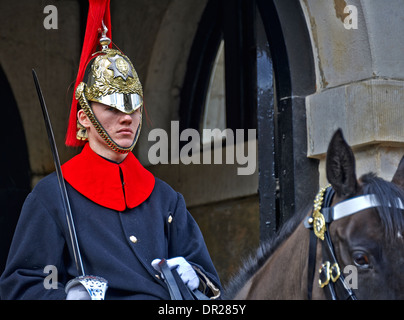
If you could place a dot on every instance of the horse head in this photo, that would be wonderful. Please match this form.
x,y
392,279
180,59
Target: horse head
x,y
370,242
357,240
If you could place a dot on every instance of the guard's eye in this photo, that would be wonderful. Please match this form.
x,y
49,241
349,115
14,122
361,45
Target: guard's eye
x,y
361,260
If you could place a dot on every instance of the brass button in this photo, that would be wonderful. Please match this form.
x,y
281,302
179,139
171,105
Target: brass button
x,y
170,219
133,239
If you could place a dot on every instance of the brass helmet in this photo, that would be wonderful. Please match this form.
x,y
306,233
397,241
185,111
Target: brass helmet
x,y
110,79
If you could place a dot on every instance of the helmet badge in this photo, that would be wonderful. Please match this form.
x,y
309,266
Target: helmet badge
x,y
120,67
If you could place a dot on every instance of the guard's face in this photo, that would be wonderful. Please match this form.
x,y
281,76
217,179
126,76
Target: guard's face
x,y
120,127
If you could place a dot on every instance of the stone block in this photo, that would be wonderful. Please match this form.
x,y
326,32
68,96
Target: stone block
x,y
369,112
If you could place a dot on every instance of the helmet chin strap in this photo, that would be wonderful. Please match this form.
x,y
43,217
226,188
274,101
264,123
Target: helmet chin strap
x,y
100,129
111,143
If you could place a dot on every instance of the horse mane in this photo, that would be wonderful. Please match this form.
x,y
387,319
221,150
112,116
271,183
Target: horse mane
x,y
387,193
392,220
255,261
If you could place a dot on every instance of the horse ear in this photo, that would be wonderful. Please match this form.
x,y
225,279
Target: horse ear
x,y
398,177
340,166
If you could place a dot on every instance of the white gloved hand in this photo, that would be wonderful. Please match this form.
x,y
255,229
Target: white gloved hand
x,y
78,292
184,269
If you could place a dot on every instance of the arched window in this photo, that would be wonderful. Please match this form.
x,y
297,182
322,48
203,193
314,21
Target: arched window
x,y
263,50
229,84
214,109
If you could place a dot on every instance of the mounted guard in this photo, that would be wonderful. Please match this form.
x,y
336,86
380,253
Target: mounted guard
x,y
131,227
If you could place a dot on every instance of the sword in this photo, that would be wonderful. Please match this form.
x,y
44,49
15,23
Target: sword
x,y
62,186
96,286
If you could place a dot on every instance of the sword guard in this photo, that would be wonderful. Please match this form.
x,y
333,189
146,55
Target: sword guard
x,y
95,286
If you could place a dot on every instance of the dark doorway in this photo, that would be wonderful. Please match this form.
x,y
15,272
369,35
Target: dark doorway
x,y
15,177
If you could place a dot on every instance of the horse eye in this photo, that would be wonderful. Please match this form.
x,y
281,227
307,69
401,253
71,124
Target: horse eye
x,y
361,260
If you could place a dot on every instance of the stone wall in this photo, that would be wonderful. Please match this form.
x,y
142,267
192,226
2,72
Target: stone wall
x,y
359,78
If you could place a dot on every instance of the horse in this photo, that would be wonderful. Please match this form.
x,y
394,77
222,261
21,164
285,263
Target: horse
x,y
349,248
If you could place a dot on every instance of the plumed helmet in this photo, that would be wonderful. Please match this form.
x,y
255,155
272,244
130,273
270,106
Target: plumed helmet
x,y
106,76
112,80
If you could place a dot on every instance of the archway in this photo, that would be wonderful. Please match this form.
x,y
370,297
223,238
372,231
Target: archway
x,y
269,70
15,176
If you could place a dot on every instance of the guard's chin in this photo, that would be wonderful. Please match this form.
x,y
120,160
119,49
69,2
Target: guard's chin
x,y
124,143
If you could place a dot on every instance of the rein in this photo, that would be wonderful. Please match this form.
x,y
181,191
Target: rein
x,y
176,287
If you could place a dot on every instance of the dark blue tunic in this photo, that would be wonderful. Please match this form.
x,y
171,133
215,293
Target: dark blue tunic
x,y
118,246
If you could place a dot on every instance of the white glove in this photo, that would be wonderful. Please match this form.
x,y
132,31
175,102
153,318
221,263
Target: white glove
x,y
78,292
184,269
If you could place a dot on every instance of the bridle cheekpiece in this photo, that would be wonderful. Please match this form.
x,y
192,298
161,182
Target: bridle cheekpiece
x,y
330,275
323,215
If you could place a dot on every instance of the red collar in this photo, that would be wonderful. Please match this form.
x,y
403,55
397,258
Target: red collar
x,y
100,180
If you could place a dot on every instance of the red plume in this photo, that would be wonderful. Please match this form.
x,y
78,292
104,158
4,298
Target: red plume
x,y
98,11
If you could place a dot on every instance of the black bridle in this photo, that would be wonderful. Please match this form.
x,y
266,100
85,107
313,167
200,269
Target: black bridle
x,y
331,277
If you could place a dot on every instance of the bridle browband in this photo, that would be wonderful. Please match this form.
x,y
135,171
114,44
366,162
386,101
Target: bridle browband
x,y
331,277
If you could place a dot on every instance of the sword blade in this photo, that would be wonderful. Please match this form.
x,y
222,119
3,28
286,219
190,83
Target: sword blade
x,y
65,198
